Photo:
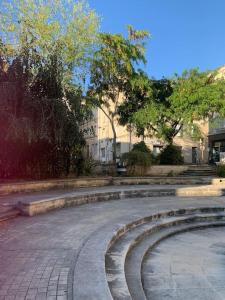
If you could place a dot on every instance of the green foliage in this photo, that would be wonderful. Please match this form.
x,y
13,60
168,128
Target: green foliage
x,y
45,46
137,93
171,155
141,147
38,133
147,108
198,95
164,107
156,116
193,131
140,155
220,170
88,166
113,65
137,158
42,29
170,174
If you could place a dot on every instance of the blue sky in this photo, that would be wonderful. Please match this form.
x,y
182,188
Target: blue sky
x,y
184,33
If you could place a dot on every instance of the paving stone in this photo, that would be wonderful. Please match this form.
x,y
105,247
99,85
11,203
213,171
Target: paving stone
x,y
9,298
41,296
61,297
38,255
190,281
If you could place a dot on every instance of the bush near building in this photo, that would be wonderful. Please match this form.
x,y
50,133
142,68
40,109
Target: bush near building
x,y
220,170
138,159
171,155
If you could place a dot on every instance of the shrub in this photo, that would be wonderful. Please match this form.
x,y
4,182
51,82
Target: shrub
x,y
138,159
171,155
220,170
170,174
88,166
142,147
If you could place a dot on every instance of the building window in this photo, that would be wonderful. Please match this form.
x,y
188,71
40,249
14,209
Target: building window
x,y
157,149
103,152
118,150
94,149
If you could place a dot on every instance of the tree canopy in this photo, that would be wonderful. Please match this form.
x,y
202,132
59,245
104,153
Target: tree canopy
x,y
46,46
113,65
163,107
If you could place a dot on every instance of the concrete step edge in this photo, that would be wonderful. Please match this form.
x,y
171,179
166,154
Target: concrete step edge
x,y
135,284
131,243
45,205
44,185
90,265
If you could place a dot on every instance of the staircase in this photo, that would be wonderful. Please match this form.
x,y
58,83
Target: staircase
x,y
114,269
200,170
125,258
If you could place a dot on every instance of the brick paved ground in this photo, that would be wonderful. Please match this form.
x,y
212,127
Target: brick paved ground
x,y
187,266
38,254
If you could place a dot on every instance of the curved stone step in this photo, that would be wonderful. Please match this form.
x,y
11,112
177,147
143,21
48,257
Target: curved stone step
x,y
90,281
117,254
44,203
188,266
136,256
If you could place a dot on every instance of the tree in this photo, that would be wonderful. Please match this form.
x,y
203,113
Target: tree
x,y
137,93
169,105
47,46
148,109
198,95
40,30
157,116
113,65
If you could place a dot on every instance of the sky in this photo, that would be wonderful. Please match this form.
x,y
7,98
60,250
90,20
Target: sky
x,y
185,34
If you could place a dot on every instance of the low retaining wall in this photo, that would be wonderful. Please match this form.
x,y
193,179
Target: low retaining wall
x,y
42,206
31,186
218,181
161,180
164,170
45,205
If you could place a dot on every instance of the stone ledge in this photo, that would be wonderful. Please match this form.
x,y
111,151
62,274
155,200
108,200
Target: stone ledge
x,y
160,230
90,266
53,184
44,185
218,181
44,205
161,180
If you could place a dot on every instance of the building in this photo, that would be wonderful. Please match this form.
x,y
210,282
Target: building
x,y
216,140
216,135
99,139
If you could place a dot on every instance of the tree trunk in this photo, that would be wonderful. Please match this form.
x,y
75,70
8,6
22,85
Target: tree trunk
x,y
111,120
114,142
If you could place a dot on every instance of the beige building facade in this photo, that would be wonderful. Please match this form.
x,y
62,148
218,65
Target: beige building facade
x,y
216,136
210,148
99,140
